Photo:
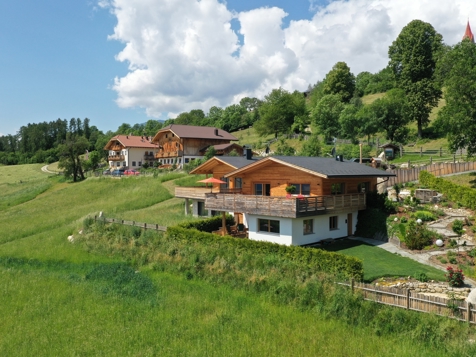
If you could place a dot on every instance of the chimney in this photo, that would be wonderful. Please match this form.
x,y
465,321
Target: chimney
x,y
248,153
216,132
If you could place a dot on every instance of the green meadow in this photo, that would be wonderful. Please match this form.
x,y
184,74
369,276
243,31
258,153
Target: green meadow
x,y
59,299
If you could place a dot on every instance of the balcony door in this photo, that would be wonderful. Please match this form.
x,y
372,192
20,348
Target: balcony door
x,y
262,189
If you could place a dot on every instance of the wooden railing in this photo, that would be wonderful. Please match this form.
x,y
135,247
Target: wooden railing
x,y
411,300
116,158
149,157
131,223
176,153
291,207
193,192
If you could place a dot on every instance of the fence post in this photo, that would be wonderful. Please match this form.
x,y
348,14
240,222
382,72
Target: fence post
x,y
408,299
409,164
431,160
421,151
454,159
352,285
468,311
441,151
95,218
133,223
145,226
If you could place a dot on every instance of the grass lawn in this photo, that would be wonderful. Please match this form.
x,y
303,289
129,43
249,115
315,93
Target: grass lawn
x,y
378,262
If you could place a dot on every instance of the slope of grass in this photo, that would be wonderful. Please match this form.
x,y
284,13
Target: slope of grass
x,y
379,262
58,299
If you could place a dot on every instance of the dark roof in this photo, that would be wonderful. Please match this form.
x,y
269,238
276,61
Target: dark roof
x,y
202,132
327,167
238,161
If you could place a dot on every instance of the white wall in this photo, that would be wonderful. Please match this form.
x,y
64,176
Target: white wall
x,y
292,230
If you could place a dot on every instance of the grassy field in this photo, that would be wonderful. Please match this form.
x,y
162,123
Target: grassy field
x,y
58,299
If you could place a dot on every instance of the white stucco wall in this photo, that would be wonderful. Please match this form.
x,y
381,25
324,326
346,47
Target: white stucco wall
x,y
292,230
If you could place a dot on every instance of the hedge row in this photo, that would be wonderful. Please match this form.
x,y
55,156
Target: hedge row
x,y
456,193
209,224
308,259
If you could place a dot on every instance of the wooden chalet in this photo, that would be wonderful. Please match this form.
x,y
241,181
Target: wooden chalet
x,y
178,144
328,195
130,151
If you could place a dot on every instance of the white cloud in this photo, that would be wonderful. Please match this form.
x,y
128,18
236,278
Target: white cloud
x,y
184,54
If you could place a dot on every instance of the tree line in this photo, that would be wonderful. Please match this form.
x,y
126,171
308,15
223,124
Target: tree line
x,y
421,69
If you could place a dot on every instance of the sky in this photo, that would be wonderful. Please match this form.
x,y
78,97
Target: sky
x,y
128,61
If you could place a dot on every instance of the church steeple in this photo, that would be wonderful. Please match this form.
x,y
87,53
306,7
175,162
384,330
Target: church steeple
x,y
468,33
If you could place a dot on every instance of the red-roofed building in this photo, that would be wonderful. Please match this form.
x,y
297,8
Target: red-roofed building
x,y
130,151
178,144
468,33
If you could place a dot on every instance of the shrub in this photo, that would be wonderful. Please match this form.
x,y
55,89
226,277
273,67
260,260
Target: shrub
x,y
458,227
425,216
454,277
421,277
417,236
404,220
208,224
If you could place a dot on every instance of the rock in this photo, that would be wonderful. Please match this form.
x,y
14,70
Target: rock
x,y
472,297
71,239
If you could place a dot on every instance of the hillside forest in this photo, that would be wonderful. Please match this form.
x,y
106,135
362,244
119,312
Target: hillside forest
x,y
422,73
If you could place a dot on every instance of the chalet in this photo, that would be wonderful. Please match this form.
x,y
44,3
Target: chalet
x,y
327,195
178,144
130,151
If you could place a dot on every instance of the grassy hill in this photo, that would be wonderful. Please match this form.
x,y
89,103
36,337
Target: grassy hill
x,y
60,299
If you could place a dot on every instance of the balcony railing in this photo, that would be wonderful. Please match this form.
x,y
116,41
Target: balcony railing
x,y
149,157
200,192
176,153
116,158
292,207
116,148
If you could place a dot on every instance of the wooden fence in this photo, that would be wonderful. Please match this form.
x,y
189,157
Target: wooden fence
x,y
132,223
411,300
437,169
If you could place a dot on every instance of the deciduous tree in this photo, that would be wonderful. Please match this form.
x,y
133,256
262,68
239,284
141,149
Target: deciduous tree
x,y
413,59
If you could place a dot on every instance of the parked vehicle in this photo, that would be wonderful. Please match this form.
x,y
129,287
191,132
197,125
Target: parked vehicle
x,y
117,173
106,172
131,172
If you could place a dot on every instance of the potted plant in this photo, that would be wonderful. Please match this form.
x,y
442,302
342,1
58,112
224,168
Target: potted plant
x,y
290,189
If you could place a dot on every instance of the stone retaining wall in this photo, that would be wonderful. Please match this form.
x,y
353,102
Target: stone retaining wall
x,y
422,288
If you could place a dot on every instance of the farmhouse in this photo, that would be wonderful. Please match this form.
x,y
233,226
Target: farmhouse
x,y
288,200
178,144
130,151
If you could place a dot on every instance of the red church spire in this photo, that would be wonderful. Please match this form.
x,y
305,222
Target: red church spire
x,y
468,33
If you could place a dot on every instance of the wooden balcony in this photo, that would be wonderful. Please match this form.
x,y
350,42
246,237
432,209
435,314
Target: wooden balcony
x,y
292,207
117,148
149,157
116,158
176,153
201,192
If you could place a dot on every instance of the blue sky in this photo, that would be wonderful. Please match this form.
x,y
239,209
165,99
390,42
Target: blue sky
x,y
58,61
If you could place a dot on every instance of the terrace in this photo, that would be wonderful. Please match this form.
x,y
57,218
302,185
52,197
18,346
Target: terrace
x,y
116,158
231,200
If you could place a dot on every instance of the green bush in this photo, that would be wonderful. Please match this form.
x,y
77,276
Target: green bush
x,y
425,216
209,224
417,236
456,193
421,277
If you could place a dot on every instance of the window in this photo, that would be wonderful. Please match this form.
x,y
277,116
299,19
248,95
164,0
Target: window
x,y
363,187
118,164
224,185
262,189
268,225
124,164
302,188
307,226
238,182
140,163
333,223
133,163
338,188
187,160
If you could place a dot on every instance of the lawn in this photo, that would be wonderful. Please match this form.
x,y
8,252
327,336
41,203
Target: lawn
x,y
378,262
